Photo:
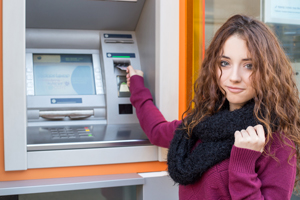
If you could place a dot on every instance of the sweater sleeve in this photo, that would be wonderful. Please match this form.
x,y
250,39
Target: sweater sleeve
x,y
159,131
253,175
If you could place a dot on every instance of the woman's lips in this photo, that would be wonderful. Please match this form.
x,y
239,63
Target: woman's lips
x,y
235,89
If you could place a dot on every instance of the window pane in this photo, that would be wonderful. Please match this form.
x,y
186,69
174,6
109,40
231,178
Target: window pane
x,y
218,11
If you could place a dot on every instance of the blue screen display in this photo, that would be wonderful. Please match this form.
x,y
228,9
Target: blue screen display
x,y
63,75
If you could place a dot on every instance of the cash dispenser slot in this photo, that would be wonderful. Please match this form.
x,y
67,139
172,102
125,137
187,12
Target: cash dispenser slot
x,y
61,114
119,41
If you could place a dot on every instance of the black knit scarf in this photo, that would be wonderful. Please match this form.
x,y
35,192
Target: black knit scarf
x,y
187,163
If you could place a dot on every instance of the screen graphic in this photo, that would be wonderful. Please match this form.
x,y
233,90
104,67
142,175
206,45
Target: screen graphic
x,y
63,75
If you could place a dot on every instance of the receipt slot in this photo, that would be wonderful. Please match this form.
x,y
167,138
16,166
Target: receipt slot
x,y
68,72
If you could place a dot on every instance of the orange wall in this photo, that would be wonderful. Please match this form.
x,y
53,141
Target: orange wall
x,y
100,169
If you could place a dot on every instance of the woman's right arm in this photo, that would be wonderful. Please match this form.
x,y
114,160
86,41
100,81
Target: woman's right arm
x,y
159,131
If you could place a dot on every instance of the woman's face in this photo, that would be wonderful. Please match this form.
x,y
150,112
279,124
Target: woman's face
x,y
236,67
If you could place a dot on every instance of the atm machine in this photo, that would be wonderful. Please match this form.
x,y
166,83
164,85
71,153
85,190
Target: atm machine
x,y
66,62
78,99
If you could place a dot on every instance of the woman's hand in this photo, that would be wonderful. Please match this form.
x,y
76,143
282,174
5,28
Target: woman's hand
x,y
252,138
130,72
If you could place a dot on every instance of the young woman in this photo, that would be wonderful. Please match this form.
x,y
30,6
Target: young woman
x,y
240,138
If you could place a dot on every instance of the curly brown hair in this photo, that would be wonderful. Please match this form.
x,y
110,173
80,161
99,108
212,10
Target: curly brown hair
x,y
272,78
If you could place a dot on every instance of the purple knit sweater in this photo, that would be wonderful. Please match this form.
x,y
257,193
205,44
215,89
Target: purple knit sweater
x,y
247,174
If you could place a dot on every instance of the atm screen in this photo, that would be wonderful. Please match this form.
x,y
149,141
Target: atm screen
x,y
64,74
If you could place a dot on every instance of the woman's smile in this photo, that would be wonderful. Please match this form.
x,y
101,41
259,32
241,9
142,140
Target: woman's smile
x,y
235,89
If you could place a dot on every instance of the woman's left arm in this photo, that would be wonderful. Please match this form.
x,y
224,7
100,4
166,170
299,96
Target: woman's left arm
x,y
253,175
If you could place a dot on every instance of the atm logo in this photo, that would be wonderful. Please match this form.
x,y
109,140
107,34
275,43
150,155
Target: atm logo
x,y
65,100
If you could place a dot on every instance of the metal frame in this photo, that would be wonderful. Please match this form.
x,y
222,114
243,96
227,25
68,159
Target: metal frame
x,y
14,92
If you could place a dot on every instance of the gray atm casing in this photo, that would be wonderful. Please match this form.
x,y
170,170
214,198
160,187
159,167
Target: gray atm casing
x,y
158,41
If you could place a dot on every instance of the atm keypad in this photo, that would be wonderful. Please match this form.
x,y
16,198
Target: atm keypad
x,y
70,133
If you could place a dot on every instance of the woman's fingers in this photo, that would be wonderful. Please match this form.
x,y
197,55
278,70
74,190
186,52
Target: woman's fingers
x,y
261,134
128,79
252,138
244,133
130,72
237,137
260,131
252,132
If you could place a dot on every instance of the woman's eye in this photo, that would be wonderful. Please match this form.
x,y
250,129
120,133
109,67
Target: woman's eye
x,y
224,63
248,66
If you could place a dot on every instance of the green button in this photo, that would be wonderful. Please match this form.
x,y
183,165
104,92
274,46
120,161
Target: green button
x,y
121,56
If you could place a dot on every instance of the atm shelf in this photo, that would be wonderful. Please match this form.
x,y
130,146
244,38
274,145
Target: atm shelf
x,y
85,145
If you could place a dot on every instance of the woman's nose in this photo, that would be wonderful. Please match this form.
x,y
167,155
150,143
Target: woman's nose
x,y
235,75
